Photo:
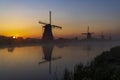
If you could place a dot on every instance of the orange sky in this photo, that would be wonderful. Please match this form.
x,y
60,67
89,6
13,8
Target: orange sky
x,y
20,18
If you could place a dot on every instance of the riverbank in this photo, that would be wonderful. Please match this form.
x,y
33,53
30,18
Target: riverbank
x,y
104,67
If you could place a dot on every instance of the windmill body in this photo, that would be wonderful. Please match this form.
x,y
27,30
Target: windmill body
x,y
47,34
89,36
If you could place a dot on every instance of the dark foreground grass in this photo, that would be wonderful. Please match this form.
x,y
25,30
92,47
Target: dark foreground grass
x,y
104,67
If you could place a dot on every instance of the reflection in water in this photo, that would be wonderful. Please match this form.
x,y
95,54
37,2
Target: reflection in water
x,y
10,49
23,62
88,49
47,51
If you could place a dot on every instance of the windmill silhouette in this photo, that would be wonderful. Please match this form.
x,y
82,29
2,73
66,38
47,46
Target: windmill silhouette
x,y
102,36
47,34
89,34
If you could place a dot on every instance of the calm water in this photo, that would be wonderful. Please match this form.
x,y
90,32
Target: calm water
x,y
46,62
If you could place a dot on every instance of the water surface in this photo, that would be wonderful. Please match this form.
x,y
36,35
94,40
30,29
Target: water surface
x,y
45,62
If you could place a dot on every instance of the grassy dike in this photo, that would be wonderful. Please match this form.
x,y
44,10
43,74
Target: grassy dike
x,y
105,67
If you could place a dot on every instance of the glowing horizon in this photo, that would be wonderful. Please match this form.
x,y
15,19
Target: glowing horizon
x,y
20,17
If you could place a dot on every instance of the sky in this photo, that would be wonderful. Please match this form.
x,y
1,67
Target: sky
x,y
20,17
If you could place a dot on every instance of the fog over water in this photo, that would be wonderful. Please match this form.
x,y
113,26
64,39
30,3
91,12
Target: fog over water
x,y
45,62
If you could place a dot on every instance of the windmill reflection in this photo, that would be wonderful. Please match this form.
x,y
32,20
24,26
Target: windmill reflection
x,y
10,49
47,51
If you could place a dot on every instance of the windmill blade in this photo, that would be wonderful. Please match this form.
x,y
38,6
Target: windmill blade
x,y
54,26
42,29
92,33
56,58
88,30
53,59
50,14
40,22
42,62
84,33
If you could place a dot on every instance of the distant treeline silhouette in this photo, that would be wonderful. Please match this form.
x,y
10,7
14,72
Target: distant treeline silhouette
x,y
20,40
5,40
10,40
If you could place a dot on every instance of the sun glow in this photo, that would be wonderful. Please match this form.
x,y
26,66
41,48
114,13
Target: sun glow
x,y
14,37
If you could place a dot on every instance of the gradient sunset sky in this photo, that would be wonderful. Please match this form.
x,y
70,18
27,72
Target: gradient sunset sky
x,y
20,17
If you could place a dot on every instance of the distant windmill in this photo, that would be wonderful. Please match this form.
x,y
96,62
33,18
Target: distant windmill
x,y
89,34
47,34
102,36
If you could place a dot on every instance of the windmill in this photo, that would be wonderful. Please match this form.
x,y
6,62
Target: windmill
x,y
47,34
89,34
102,36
